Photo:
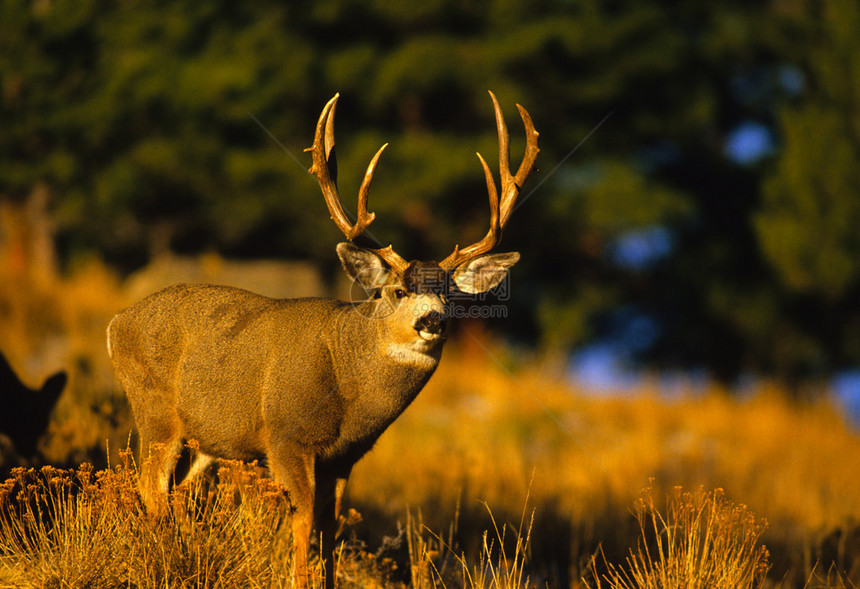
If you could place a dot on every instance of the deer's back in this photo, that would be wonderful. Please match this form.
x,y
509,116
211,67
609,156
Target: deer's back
x,y
210,321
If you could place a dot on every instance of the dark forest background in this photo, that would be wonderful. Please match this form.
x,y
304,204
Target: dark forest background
x,y
699,186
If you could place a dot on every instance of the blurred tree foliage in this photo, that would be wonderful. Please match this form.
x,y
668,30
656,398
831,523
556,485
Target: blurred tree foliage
x,y
175,125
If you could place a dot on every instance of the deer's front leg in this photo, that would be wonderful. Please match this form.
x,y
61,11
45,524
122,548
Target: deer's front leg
x,y
331,485
293,466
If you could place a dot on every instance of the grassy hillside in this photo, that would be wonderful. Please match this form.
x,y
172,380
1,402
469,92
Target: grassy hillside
x,y
497,449
494,428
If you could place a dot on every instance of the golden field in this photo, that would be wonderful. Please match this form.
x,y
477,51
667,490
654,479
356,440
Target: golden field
x,y
499,449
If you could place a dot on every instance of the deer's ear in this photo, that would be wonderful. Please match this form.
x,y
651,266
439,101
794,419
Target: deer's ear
x,y
363,265
484,272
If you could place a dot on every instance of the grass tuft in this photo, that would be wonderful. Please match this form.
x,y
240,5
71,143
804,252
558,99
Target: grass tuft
x,y
81,528
700,540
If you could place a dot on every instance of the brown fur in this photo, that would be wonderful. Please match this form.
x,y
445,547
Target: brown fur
x,y
310,384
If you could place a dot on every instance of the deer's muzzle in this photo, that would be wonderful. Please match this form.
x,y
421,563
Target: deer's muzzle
x,y
431,325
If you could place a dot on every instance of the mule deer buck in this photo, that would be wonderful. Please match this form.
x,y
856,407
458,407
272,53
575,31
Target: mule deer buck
x,y
309,384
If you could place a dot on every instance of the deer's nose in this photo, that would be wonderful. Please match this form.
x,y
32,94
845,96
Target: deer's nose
x,y
432,322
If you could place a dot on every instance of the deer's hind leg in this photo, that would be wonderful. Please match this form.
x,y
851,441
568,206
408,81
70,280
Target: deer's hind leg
x,y
156,473
160,434
159,455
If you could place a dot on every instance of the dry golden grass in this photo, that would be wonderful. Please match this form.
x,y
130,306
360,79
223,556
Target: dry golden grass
x,y
86,529
699,540
483,433
80,528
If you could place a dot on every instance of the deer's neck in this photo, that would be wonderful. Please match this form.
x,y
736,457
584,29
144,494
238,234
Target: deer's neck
x,y
363,339
376,378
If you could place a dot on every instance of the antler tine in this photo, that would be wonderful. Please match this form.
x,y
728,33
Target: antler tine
x,y
365,218
526,166
325,169
501,206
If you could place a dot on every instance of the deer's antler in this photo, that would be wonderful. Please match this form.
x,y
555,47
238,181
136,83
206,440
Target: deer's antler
x,y
502,206
325,169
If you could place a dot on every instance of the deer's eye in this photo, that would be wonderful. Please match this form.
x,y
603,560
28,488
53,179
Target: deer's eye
x,y
399,293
